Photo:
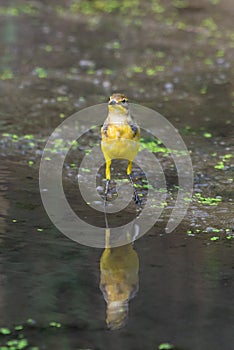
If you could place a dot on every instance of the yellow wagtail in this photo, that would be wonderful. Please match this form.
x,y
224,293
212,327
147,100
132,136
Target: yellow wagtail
x,y
119,280
120,138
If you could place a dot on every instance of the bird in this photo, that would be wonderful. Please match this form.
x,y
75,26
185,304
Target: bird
x,y
120,138
119,281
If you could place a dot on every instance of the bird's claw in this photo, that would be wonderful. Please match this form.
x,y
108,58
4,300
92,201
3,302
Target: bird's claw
x,y
137,200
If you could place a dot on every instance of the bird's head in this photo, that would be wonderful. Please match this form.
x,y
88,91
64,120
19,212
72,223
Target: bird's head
x,y
118,103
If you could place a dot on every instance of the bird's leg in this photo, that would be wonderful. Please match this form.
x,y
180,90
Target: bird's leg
x,y
137,199
108,164
106,191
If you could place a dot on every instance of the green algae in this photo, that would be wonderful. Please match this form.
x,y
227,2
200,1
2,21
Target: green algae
x,y
41,72
209,201
14,11
6,74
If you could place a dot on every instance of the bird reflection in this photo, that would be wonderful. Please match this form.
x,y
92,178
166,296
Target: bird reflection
x,y
119,280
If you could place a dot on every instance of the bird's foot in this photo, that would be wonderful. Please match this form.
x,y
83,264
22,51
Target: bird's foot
x,y
136,197
137,200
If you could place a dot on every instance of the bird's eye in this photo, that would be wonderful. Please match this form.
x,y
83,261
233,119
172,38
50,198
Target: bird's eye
x,y
123,100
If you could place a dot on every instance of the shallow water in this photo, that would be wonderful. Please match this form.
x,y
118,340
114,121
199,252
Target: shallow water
x,y
176,61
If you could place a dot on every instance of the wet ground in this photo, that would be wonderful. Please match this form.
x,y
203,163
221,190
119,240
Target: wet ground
x,y
55,59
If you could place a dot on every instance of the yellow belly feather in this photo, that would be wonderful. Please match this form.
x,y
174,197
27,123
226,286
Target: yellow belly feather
x,y
119,141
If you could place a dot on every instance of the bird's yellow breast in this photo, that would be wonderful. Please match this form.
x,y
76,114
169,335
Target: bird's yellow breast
x,y
120,141
119,272
116,131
